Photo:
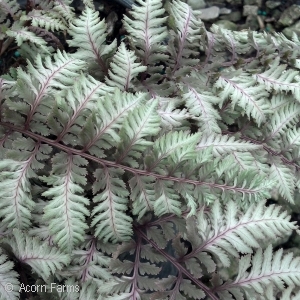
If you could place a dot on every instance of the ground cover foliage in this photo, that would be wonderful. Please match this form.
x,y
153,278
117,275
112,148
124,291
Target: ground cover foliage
x,y
139,168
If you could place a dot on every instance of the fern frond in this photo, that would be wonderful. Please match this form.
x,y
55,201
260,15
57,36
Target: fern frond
x,y
41,230
291,140
9,7
285,179
141,123
124,69
78,104
43,259
102,128
66,212
229,233
24,35
142,194
110,218
42,81
178,146
45,20
29,50
147,31
280,79
8,279
237,42
15,187
167,202
283,118
171,117
184,41
243,91
279,269
293,137
200,106
287,294
137,280
224,144
160,138
64,9
89,34
88,264
242,161
246,187
280,100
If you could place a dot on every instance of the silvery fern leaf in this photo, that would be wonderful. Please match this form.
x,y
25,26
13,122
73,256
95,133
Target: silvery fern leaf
x,y
279,79
124,69
67,119
45,20
235,41
142,194
20,165
139,273
43,259
89,34
109,216
284,118
171,117
278,101
66,211
284,178
288,294
22,34
246,187
29,50
89,289
292,138
147,31
184,40
178,146
200,106
242,161
42,82
8,279
224,144
167,202
10,7
16,202
230,234
266,267
89,263
101,128
242,90
63,8
142,123
118,165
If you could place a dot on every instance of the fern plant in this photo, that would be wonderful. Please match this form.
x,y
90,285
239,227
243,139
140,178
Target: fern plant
x,y
140,169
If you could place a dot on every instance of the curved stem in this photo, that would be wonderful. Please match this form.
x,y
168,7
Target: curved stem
x,y
179,267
